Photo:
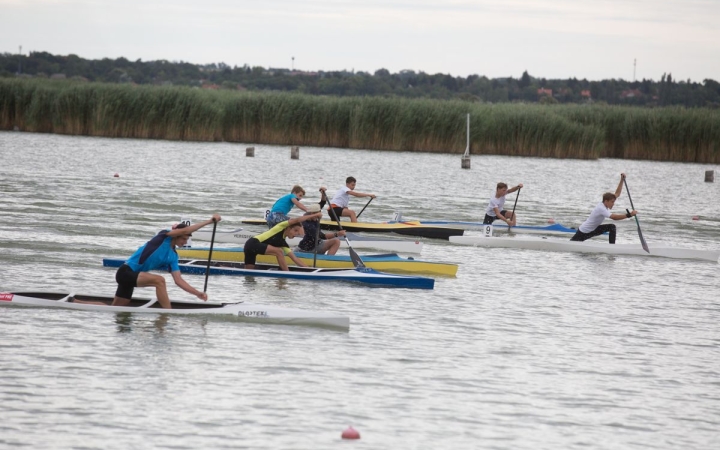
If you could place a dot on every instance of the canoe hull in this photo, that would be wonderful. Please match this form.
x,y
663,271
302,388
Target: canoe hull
x,y
247,312
500,227
364,276
239,236
404,228
384,263
557,245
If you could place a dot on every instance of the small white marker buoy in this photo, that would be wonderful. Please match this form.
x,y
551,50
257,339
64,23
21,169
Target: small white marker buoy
x,y
350,433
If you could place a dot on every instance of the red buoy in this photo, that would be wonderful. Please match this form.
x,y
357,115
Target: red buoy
x,y
696,217
117,175
551,220
350,433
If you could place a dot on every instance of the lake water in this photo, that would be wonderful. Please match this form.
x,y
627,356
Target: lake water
x,y
522,350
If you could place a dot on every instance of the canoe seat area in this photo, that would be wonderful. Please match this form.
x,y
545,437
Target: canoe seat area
x,y
44,295
190,305
91,298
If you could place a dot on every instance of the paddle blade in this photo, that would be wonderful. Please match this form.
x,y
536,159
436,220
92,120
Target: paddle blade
x,y
640,235
354,257
642,239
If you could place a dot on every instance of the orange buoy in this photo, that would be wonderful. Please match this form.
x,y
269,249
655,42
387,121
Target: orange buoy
x,y
351,433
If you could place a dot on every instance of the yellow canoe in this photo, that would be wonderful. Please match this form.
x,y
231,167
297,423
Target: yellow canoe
x,y
390,262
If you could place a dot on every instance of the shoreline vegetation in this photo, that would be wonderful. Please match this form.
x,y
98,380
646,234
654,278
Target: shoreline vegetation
x,y
374,123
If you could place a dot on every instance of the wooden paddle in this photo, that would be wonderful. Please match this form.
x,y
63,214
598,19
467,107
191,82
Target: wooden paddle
x,y
212,241
366,205
357,261
642,239
513,211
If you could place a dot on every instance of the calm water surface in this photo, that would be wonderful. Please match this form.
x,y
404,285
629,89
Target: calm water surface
x,y
523,350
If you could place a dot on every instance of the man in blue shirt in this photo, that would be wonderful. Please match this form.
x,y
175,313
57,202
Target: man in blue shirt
x,y
157,253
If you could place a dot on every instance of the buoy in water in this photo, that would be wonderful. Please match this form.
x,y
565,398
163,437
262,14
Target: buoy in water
x,y
117,175
350,433
696,217
551,220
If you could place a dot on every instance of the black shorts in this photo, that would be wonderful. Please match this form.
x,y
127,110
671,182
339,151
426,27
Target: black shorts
x,y
252,248
490,219
127,282
337,212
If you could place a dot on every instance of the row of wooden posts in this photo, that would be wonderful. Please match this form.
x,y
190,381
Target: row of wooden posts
x,y
464,162
294,152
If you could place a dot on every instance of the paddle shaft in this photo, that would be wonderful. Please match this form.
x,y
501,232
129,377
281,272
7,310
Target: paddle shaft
x,y
366,205
357,261
317,241
513,211
212,241
637,221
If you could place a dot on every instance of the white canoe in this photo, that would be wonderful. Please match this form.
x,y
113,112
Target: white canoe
x,y
557,245
500,227
247,312
239,236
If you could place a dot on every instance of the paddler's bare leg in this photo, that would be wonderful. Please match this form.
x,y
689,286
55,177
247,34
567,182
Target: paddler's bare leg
x,y
146,279
279,255
331,246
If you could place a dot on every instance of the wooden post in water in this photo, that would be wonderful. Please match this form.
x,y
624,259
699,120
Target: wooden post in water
x,y
465,161
294,152
709,176
250,152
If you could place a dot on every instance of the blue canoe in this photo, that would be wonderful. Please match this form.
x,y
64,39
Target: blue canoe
x,y
358,275
389,262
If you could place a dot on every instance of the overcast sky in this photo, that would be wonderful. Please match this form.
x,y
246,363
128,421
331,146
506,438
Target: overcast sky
x,y
593,39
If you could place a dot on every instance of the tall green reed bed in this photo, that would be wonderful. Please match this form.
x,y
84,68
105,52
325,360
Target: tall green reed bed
x,y
179,113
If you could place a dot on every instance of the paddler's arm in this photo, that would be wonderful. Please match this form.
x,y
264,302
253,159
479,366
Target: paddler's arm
x,y
193,228
500,216
180,281
303,218
297,203
519,186
623,216
361,194
322,197
295,259
618,191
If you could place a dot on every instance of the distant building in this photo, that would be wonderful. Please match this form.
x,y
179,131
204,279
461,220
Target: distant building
x,y
631,93
585,93
543,91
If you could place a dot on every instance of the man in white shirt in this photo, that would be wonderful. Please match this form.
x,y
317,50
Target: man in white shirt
x,y
495,209
593,225
339,205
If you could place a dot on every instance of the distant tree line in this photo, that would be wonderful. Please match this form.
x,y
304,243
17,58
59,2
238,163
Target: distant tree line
x,y
406,83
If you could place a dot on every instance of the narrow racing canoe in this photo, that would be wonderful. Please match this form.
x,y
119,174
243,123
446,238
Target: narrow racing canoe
x,y
356,275
501,227
589,246
405,228
247,312
239,236
390,262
